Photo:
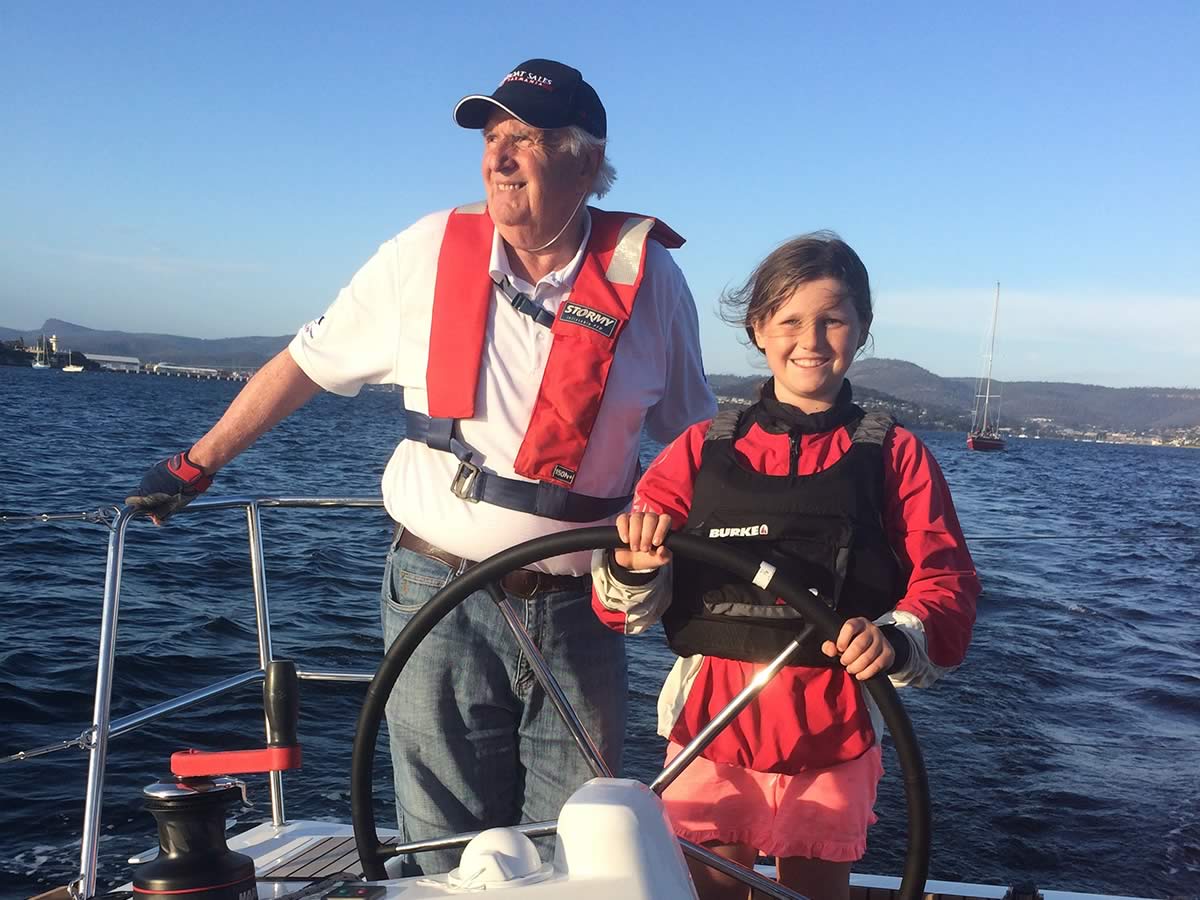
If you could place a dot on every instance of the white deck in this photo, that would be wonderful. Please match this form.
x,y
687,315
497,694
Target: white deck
x,y
613,841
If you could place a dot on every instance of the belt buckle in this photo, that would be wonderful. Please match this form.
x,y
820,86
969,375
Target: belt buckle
x,y
522,583
463,485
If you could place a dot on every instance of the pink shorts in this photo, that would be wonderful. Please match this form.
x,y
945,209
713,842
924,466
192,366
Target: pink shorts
x,y
819,814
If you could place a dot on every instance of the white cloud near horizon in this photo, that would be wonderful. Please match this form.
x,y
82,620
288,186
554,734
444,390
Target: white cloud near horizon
x,y
155,264
1113,338
1038,314
153,261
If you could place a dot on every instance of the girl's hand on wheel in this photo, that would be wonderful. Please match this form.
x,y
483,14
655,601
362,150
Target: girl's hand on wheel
x,y
861,648
644,532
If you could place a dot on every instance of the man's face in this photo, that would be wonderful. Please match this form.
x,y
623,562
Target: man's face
x,y
532,186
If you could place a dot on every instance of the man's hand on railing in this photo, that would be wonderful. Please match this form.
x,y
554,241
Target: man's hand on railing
x,y
169,486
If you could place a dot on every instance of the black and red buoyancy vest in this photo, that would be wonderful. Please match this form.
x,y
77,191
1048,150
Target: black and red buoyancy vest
x,y
824,529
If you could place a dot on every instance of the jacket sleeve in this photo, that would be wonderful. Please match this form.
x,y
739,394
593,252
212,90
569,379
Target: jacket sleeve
x,y
937,611
665,488
628,608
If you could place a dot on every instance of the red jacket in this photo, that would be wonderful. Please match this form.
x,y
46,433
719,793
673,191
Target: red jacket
x,y
811,717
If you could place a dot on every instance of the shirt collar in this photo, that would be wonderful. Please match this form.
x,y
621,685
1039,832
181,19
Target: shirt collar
x,y
499,268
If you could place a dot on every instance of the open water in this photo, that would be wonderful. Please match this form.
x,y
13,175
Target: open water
x,y
1065,751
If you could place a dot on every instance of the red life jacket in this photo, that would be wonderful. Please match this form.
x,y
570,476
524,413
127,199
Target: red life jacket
x,y
585,332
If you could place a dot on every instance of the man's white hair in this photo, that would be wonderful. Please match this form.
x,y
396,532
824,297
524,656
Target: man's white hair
x,y
578,143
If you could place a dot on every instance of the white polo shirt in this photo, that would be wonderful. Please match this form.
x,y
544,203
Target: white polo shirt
x,y
377,332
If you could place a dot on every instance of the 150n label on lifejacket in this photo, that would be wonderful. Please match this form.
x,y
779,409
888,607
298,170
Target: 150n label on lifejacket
x,y
747,531
575,314
562,473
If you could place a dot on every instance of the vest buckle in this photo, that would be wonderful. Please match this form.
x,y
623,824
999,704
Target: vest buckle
x,y
463,485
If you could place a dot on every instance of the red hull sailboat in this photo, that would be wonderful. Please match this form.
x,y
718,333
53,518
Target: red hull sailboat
x,y
985,422
984,442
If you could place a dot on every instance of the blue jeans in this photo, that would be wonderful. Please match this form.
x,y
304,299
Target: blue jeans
x,y
475,742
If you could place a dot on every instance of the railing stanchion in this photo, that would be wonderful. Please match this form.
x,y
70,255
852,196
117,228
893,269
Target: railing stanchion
x,y
262,615
89,853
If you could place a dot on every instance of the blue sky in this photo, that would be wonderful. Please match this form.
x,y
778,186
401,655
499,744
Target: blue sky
x,y
222,169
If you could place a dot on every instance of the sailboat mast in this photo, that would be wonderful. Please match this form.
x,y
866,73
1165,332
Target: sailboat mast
x,y
987,390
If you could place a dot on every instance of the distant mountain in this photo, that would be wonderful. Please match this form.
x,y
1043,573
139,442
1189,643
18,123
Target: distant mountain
x,y
1071,405
235,352
910,381
734,389
918,397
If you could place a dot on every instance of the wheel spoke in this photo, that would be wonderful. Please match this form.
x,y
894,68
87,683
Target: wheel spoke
x,y
583,740
750,878
529,829
706,736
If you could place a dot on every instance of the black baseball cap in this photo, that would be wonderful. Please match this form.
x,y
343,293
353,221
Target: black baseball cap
x,y
542,93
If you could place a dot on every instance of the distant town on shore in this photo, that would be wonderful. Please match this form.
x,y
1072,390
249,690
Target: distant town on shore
x,y
916,396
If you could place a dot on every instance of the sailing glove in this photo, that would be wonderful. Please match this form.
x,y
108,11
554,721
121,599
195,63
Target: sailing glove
x,y
169,486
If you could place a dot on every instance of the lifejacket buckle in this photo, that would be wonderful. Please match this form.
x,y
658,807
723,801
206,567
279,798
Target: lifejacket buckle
x,y
463,485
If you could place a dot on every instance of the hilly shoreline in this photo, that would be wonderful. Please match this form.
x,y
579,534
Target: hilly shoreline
x,y
915,395
232,352
919,398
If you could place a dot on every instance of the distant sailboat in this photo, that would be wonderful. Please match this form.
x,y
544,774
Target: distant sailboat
x,y
40,361
70,366
985,421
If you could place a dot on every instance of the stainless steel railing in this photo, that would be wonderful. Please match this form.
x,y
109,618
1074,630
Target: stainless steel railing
x,y
95,739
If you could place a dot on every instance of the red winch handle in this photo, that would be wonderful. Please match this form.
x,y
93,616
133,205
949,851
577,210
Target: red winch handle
x,y
195,763
281,700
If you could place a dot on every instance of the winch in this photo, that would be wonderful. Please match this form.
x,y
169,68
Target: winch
x,y
190,808
193,857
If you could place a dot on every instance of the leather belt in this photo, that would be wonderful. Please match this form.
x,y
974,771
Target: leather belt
x,y
520,583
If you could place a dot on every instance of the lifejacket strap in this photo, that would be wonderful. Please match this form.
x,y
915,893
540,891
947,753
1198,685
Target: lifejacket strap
x,y
724,425
436,433
873,428
474,485
439,433
524,304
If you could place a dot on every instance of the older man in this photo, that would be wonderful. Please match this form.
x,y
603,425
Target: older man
x,y
534,338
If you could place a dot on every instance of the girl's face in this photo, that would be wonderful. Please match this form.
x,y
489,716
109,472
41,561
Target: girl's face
x,y
810,342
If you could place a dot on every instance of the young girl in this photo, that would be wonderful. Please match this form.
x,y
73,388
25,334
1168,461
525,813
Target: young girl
x,y
850,502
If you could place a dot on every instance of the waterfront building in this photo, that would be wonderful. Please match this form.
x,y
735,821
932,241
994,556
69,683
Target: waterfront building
x,y
117,363
185,371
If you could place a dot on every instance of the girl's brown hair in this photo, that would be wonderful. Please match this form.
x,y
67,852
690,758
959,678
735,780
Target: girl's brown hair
x,y
810,257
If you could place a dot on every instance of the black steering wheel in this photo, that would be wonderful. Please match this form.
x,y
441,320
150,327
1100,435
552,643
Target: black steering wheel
x,y
487,574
